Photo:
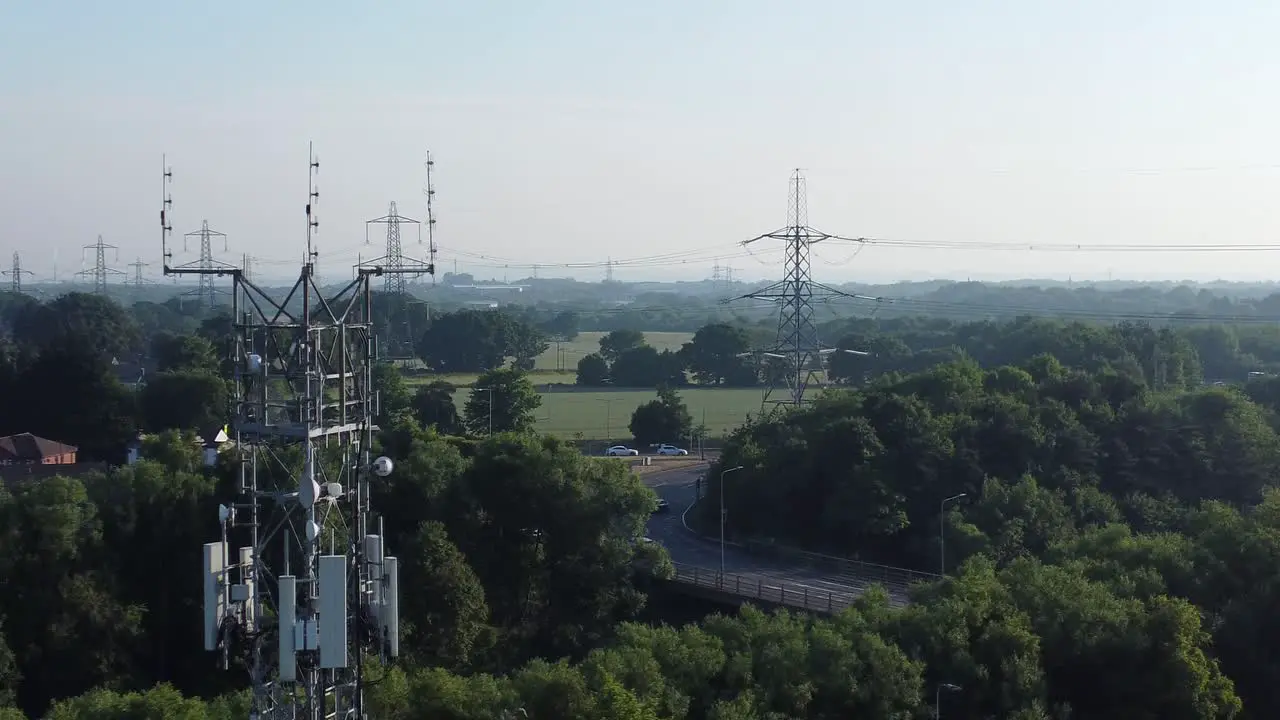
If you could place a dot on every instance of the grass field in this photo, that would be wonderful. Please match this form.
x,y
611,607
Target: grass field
x,y
546,367
588,342
604,415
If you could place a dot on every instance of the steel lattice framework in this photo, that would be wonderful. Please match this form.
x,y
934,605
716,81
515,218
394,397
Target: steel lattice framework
x,y
100,271
15,274
796,356
207,292
310,592
394,260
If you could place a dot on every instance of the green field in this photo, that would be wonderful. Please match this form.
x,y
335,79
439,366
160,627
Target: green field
x,y
604,415
588,342
565,355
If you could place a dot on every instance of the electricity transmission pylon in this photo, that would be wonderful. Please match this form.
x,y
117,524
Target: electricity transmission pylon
x,y
100,271
137,266
393,283
796,356
15,274
206,291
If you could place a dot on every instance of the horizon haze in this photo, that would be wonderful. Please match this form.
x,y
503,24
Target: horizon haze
x,y
567,134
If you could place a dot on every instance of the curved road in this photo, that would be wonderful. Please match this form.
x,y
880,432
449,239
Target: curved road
x,y
686,548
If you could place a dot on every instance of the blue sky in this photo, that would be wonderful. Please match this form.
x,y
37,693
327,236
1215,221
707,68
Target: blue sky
x,y
569,132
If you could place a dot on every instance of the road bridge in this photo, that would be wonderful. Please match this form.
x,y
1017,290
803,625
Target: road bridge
x,y
757,573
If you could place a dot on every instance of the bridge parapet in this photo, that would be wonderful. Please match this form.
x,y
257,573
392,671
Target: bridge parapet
x,y
770,590
893,578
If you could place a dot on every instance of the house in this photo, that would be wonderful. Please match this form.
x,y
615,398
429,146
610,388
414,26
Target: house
x,y
28,449
27,458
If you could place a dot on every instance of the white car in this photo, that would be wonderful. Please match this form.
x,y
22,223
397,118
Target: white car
x,y
620,450
665,449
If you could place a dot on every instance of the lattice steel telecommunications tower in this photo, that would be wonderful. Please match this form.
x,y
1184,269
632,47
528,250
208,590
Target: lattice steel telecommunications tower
x,y
15,273
309,590
796,356
393,282
100,270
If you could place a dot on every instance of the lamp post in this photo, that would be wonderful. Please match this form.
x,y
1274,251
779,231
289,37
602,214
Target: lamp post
x,y
608,417
723,473
490,391
942,531
937,698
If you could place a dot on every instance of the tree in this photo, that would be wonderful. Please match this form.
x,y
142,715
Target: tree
x,y
665,419
613,345
9,676
501,400
433,405
715,356
56,595
448,622
157,513
95,321
593,371
638,367
478,341
551,534
464,341
393,395
183,352
69,394
184,400
563,326
522,342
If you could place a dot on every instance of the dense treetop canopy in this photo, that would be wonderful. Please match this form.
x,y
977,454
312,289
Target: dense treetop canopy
x,y
1115,552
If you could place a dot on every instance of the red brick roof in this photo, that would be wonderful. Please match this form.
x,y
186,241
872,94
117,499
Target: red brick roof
x,y
26,447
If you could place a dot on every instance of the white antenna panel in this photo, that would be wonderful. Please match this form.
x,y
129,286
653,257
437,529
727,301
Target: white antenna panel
x,y
373,559
288,618
249,616
391,607
332,608
215,560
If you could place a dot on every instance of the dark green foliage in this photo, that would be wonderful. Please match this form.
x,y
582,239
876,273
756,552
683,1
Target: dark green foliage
x,y
1116,555
665,420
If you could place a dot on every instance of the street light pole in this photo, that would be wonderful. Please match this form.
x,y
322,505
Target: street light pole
x,y
937,698
608,417
490,391
942,531
723,473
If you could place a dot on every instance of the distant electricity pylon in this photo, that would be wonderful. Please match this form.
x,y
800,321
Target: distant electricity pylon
x,y
137,266
796,355
100,271
15,274
394,259
206,290
300,589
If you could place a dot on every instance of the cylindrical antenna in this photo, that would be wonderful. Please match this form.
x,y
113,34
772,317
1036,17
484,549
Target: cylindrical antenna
x,y
430,192
313,198
166,208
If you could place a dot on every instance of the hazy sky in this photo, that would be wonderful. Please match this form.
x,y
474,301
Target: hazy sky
x,y
570,132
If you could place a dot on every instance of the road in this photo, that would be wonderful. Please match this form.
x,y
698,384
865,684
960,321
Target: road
x,y
677,487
